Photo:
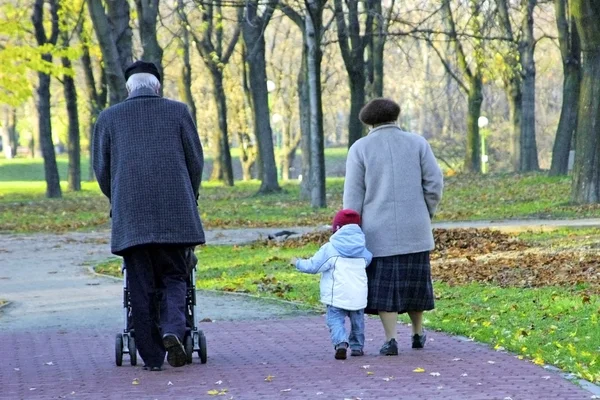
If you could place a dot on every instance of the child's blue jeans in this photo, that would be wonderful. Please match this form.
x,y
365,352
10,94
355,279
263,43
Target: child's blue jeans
x,y
336,318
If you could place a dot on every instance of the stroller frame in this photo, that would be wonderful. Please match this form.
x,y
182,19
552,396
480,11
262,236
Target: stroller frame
x,y
193,341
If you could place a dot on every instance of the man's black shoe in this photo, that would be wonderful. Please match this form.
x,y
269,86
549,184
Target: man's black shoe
x,y
176,356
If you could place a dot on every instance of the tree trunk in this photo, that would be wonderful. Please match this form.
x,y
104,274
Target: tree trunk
x,y
53,189
352,47
9,133
313,24
515,107
224,150
147,14
73,147
111,54
375,50
304,112
249,153
571,59
96,103
186,69
253,29
586,176
44,116
119,18
563,143
529,156
474,99
357,101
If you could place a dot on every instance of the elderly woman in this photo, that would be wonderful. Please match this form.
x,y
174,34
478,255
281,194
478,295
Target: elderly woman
x,y
394,182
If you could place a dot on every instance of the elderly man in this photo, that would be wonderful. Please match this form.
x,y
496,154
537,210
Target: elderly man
x,y
148,161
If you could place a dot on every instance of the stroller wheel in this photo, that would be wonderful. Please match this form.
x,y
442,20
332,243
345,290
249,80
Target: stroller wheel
x,y
188,343
202,349
119,350
132,351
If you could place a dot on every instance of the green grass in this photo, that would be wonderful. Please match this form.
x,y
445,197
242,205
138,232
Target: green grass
x,y
551,325
23,207
509,196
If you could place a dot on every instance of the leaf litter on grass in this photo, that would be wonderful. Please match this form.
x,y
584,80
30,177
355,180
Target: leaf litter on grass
x,y
463,256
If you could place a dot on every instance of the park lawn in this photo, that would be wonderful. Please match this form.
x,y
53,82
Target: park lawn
x,y
556,325
23,207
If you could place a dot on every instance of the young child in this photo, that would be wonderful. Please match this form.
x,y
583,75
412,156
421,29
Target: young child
x,y
342,263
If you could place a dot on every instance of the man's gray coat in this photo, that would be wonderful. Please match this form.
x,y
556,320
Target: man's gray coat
x,y
148,161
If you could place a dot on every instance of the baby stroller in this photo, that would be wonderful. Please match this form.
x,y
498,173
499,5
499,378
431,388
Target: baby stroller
x,y
194,340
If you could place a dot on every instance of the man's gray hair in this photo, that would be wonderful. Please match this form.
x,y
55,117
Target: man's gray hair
x,y
142,80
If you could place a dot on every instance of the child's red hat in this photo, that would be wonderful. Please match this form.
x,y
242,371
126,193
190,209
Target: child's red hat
x,y
345,217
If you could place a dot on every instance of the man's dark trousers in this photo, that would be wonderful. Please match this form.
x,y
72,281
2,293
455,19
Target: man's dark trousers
x,y
156,277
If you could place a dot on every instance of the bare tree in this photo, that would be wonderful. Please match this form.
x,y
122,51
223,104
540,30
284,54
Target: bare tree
x,y
215,53
365,76
253,27
471,82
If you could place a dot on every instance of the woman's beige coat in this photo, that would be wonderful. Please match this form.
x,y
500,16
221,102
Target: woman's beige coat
x,y
394,182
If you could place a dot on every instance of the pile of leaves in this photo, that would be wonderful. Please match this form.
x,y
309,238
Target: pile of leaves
x,y
524,270
455,243
449,243
270,284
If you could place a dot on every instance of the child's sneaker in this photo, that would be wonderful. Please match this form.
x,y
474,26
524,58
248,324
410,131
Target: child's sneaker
x,y
418,341
389,348
340,351
357,353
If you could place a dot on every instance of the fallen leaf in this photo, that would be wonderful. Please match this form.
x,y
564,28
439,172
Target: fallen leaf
x,y
218,382
31,388
457,359
170,383
491,362
49,363
418,370
440,387
585,299
546,377
213,392
285,390
136,381
319,393
465,374
434,374
370,373
387,379
17,369
366,366
269,378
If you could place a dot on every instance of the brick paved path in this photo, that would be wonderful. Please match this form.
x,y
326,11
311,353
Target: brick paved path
x,y
79,364
57,342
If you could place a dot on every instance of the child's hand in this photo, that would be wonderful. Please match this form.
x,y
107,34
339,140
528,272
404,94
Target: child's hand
x,y
293,261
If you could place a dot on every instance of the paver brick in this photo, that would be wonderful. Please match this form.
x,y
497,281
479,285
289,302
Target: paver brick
x,y
295,352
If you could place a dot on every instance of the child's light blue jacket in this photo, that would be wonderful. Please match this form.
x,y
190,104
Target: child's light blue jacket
x,y
341,262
